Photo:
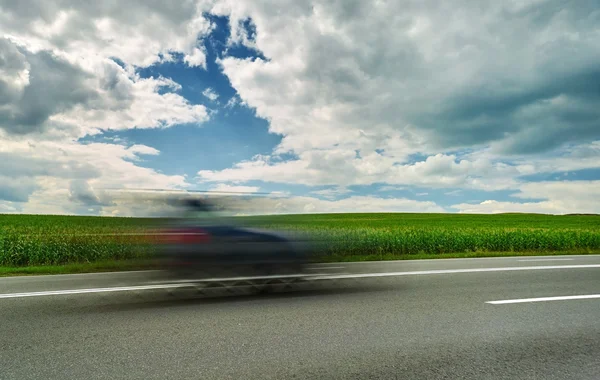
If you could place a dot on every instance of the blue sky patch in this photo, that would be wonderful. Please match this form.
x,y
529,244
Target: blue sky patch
x,y
232,134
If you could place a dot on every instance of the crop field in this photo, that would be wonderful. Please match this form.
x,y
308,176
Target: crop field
x,y
27,240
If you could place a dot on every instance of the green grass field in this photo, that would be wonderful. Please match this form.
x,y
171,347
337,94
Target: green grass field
x,y
31,240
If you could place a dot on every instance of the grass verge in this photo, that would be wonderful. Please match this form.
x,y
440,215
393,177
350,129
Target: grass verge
x,y
457,255
132,265
104,266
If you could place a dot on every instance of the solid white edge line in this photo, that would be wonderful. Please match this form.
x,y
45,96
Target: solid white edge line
x,y
313,277
545,299
453,271
530,260
93,290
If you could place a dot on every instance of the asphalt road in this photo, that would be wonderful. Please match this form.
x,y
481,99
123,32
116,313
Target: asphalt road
x,y
411,319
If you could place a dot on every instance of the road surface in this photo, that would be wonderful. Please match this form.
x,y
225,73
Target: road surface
x,y
499,318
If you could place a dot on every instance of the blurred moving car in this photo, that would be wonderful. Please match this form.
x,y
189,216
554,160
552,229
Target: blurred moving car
x,y
203,243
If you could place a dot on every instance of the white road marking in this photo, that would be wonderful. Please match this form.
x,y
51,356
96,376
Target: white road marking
x,y
42,277
452,271
312,277
545,299
547,260
93,290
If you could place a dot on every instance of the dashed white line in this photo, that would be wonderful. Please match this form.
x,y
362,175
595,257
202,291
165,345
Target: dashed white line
x,y
545,299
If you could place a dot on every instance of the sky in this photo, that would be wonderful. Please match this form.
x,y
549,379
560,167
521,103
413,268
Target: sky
x,y
335,106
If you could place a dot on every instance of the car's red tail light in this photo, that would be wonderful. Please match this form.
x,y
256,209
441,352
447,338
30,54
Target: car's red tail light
x,y
184,236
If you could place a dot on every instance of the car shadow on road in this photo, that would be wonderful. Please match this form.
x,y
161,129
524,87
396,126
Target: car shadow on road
x,y
154,300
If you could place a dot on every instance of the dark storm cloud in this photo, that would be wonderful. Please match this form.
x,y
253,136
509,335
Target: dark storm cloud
x,y
16,189
54,86
18,174
527,120
81,193
521,60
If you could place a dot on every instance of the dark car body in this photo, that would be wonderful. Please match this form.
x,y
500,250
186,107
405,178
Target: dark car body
x,y
201,245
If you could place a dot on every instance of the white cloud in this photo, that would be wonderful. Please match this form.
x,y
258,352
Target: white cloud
x,y
58,73
343,168
562,197
16,189
143,150
355,89
362,204
331,193
14,72
60,81
143,108
270,205
210,94
66,177
333,69
391,188
137,32
154,204
6,208
197,58
73,101
108,164
234,189
572,158
570,194
418,77
312,205
232,102
496,207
